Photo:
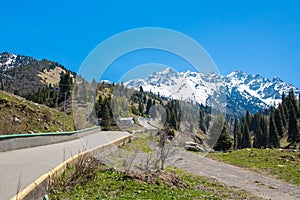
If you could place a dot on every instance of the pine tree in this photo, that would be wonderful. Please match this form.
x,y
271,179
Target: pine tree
x,y
293,131
283,117
273,133
149,104
248,119
141,108
246,140
265,133
141,89
236,134
258,138
225,141
106,124
278,122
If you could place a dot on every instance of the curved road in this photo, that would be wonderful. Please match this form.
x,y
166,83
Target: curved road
x,y
145,123
29,164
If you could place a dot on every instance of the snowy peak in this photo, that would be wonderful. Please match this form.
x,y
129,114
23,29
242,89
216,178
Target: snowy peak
x,y
242,91
9,61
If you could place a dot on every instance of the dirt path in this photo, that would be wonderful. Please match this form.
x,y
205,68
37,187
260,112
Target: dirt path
x,y
253,182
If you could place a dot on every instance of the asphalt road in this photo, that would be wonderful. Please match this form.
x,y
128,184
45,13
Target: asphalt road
x,y
24,166
145,123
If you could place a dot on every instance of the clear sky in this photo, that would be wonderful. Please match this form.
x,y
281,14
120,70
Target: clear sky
x,y
257,37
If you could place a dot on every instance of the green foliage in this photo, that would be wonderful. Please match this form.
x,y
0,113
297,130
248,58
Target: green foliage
x,y
105,123
236,134
225,141
293,131
246,140
283,120
273,133
110,184
278,122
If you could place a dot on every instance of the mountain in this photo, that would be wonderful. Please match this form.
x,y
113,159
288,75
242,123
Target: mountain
x,y
24,74
233,93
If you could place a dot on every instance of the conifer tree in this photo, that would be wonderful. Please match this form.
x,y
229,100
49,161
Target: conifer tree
x,y
148,106
265,133
141,108
236,134
248,119
283,117
106,118
258,138
273,134
293,131
278,122
246,140
225,141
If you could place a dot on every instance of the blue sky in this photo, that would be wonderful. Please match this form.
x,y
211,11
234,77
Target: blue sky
x,y
258,37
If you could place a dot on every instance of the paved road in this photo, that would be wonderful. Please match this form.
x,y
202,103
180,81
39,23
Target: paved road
x,y
145,123
31,163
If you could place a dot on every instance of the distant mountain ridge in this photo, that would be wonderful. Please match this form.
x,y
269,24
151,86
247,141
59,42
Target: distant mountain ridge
x,y
242,91
10,60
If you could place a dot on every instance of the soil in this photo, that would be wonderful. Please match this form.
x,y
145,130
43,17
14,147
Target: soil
x,y
256,183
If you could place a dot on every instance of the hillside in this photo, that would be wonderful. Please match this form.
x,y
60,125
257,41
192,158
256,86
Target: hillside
x,y
28,74
18,115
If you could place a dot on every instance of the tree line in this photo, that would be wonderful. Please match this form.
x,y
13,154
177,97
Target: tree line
x,y
267,129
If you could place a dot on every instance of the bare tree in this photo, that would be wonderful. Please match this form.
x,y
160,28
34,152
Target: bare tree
x,y
166,147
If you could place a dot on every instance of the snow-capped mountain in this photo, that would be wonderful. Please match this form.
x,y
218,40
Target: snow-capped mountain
x,y
9,61
235,92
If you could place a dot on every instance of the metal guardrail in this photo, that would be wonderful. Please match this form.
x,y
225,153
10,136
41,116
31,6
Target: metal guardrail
x,y
3,137
21,141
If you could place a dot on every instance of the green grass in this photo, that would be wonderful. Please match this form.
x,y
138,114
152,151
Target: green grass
x,y
139,143
281,163
36,116
110,184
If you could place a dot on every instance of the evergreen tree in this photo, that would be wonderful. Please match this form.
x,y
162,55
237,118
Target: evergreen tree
x,y
141,89
278,122
273,133
65,85
265,133
258,138
246,140
283,117
106,124
141,108
225,141
293,131
149,104
247,118
236,134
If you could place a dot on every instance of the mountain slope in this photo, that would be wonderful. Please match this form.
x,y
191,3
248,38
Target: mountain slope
x,y
28,73
233,93
18,115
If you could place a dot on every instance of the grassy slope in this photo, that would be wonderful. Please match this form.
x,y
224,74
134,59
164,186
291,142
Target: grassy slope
x,y
110,184
36,116
106,183
281,163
